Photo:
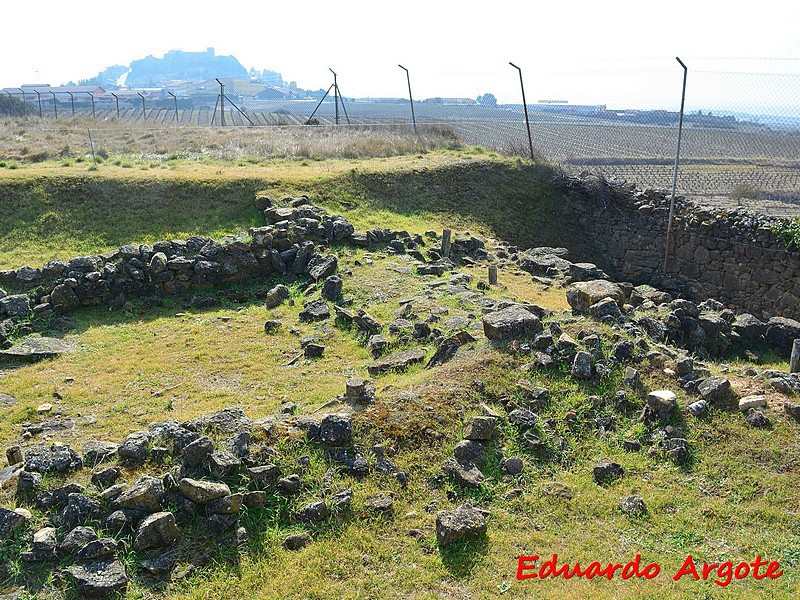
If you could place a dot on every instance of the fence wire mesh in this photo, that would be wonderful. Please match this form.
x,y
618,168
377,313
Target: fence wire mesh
x,y
740,145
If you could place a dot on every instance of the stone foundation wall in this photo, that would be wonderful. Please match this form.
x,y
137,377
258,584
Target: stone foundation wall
x,y
292,242
731,256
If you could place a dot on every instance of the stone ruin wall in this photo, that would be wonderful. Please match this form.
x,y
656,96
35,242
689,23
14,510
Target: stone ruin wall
x,y
731,256
292,243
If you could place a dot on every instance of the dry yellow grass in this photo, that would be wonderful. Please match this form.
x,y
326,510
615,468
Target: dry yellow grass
x,y
34,140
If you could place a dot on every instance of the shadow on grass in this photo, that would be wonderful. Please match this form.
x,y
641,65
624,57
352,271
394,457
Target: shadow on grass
x,y
462,557
144,310
114,211
516,201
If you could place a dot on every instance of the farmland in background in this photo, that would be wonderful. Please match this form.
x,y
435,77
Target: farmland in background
x,y
747,165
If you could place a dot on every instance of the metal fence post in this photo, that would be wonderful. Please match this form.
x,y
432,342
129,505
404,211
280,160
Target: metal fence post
x,y
175,98
116,98
144,110
39,98
335,94
91,95
55,105
525,106
410,98
675,169
221,103
91,145
316,108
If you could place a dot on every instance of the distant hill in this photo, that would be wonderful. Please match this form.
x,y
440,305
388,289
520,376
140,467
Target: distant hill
x,y
107,78
175,65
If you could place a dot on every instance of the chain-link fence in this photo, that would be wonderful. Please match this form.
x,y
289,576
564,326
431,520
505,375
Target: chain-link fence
x,y
740,143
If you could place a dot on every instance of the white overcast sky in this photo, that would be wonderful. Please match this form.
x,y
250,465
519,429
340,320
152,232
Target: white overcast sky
x,y
614,52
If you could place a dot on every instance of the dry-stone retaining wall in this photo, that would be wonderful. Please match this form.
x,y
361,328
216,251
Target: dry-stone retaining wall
x,y
731,256
290,243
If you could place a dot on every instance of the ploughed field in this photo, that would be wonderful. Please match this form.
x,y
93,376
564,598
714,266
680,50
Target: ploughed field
x,y
744,165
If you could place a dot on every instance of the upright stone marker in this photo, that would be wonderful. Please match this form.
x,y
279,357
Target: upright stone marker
x,y
445,243
794,362
492,274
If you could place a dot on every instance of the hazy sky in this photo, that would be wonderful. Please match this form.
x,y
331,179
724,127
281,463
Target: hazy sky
x,y
613,52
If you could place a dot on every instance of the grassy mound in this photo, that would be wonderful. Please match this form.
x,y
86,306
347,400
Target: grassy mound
x,y
54,212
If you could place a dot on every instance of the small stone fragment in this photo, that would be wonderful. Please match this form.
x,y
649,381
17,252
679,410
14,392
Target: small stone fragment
x,y
276,296
342,498
381,503
313,513
582,365
316,310
77,539
290,484
607,471
465,474
512,465
479,429
95,549
469,452
202,492
633,505
792,409
296,541
156,531
336,430
398,361
454,525
631,377
756,418
271,326
135,447
715,389
699,408
100,578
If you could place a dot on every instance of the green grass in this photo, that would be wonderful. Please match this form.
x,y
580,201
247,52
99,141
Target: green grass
x,y
736,498
788,232
54,212
45,218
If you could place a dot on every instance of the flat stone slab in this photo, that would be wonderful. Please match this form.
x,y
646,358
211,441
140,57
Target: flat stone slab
x,y
544,261
584,294
100,578
511,323
37,348
396,362
663,401
749,402
467,475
